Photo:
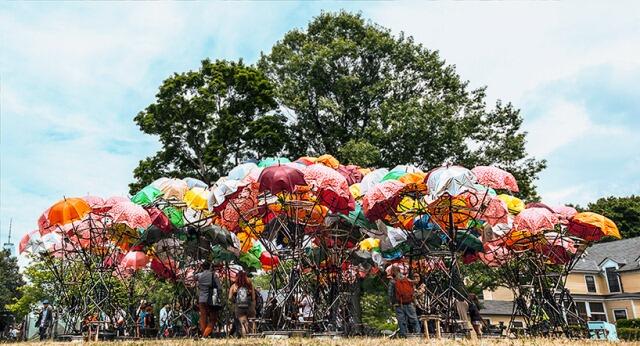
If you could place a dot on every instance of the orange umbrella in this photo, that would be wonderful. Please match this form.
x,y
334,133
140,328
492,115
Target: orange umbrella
x,y
68,210
592,226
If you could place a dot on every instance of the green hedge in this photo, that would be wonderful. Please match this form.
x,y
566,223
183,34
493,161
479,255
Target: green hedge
x,y
633,323
629,334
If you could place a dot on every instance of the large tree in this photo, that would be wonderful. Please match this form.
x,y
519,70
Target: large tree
x,y
10,279
209,119
624,211
351,86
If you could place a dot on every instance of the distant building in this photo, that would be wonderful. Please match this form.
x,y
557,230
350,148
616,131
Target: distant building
x,y
605,283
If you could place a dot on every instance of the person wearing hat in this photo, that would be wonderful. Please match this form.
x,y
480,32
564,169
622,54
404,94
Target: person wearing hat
x,y
45,319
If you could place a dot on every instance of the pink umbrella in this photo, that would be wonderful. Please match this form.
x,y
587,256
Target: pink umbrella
x,y
564,212
174,188
351,173
331,187
382,197
44,226
160,220
94,202
130,214
244,203
535,220
494,255
134,260
28,241
496,178
558,249
495,212
110,202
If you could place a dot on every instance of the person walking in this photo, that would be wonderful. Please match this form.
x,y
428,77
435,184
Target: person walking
x,y
474,314
243,297
400,292
45,320
208,296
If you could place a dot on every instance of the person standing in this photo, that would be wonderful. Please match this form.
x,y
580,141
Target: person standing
x,y
474,314
400,292
208,292
45,319
165,320
243,297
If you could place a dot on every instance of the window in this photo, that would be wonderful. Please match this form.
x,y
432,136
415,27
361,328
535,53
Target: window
x,y
581,308
597,312
620,314
591,283
613,279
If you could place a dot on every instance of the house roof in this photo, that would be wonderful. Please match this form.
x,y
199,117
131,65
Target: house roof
x,y
625,252
497,307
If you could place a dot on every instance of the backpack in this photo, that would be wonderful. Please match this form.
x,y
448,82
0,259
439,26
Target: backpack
x,y
404,291
243,298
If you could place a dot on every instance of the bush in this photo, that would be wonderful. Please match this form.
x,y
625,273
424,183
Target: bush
x,y
633,323
629,334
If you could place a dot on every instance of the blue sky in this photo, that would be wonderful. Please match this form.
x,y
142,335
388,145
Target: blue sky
x,y
73,75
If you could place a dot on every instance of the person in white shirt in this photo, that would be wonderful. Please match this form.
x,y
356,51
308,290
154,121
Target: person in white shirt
x,y
165,319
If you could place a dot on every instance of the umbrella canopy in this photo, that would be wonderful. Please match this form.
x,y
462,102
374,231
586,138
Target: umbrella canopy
x,y
307,160
28,241
134,260
174,188
351,173
130,214
169,248
193,182
111,201
272,161
591,226
414,181
328,160
222,191
67,211
371,179
496,178
495,212
280,178
564,212
393,175
357,218
147,195
514,204
406,169
382,198
175,216
197,198
331,187
535,220
158,182
240,171
160,220
94,202
452,180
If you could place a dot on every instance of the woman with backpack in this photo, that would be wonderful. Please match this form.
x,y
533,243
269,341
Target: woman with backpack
x,y
208,292
243,297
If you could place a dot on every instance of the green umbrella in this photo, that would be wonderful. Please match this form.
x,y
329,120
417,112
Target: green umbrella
x,y
271,161
256,249
248,260
175,216
466,240
146,196
356,218
221,254
393,175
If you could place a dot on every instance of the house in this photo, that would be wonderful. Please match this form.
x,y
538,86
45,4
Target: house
x,y
605,282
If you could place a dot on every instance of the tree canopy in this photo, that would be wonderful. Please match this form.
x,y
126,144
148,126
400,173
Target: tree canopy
x,y
346,81
342,86
208,120
10,279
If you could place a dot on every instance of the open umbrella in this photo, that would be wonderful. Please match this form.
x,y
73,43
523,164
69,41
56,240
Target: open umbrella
x,y
451,180
94,202
351,173
371,179
130,214
242,170
271,161
280,178
330,187
110,202
197,198
222,191
591,226
174,188
381,199
514,204
160,220
496,178
147,195
328,160
535,220
406,169
193,182
67,211
134,260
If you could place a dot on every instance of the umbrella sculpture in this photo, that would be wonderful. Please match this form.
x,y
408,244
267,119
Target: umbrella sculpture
x,y
329,223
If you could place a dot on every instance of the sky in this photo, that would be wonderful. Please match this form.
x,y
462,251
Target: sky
x,y
74,74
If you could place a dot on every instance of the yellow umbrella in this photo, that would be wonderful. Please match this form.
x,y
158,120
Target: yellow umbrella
x,y
514,204
369,244
197,198
584,224
355,190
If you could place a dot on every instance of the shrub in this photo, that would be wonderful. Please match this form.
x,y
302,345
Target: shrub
x,y
632,323
629,334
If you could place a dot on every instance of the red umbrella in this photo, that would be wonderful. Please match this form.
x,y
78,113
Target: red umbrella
x,y
130,214
496,178
243,204
27,241
134,260
330,187
495,212
381,198
164,269
351,173
44,226
160,220
280,178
